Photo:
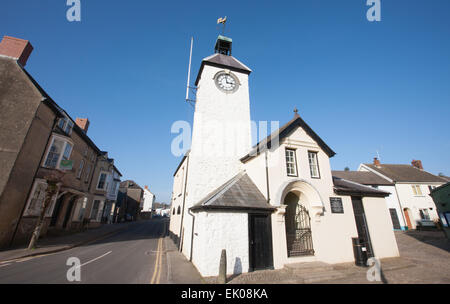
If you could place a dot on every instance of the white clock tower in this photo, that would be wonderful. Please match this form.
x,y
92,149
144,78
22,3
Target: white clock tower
x,y
222,129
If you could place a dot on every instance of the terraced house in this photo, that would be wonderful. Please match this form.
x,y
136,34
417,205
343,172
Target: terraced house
x,y
37,137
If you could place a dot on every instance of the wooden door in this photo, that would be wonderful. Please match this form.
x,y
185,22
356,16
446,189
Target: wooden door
x,y
408,219
260,242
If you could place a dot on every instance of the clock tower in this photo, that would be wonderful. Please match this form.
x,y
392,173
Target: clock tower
x,y
221,133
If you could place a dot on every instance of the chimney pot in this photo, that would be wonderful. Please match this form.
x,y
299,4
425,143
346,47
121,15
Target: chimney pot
x,y
417,164
83,123
376,162
16,48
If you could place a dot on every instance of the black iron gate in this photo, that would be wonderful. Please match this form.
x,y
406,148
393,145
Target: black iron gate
x,y
298,232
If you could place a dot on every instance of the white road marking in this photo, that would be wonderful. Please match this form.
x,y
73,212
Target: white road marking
x,y
93,260
4,265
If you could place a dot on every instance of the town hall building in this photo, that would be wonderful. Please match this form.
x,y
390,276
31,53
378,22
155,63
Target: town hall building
x,y
268,205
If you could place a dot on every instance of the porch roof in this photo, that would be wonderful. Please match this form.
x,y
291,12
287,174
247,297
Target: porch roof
x,y
346,187
239,193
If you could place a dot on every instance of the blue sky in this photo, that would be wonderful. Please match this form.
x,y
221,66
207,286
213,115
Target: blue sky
x,y
361,86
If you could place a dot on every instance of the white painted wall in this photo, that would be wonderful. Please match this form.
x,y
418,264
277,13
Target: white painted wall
x,y
332,233
215,231
380,228
221,136
393,203
177,198
416,202
149,199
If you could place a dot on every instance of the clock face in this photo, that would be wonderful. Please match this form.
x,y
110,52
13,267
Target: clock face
x,y
227,82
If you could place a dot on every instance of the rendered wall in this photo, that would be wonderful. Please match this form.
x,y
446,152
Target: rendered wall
x,y
215,231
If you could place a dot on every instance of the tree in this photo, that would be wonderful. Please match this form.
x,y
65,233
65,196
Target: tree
x,y
347,169
53,179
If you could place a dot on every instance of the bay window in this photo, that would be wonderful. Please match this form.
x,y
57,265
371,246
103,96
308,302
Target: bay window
x,y
102,181
59,150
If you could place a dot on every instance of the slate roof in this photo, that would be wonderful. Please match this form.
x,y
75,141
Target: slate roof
x,y
445,177
406,173
223,61
285,131
239,193
362,177
346,187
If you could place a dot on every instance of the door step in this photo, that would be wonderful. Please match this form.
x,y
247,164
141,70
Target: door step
x,y
308,267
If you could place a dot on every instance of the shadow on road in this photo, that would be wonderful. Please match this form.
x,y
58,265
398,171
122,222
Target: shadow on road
x,y
433,238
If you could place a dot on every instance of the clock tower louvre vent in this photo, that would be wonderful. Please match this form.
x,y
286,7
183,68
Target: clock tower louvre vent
x,y
223,45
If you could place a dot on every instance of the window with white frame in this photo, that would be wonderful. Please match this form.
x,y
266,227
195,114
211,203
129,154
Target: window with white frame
x,y
80,169
291,163
424,214
313,164
66,125
80,210
36,200
59,150
97,210
102,181
94,210
416,190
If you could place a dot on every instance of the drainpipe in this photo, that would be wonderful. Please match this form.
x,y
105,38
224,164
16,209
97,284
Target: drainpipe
x,y
184,200
34,177
192,234
267,178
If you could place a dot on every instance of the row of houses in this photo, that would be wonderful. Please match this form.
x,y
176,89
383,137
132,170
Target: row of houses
x,y
410,203
37,139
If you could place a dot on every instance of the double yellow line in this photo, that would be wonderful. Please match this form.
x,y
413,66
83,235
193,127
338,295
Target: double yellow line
x,y
158,263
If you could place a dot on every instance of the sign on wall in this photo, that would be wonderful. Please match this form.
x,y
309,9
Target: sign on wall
x,y
66,165
336,205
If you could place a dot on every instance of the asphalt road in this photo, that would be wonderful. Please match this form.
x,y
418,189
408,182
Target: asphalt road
x,y
133,256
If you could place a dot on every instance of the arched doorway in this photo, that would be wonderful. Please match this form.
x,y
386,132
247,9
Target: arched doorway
x,y
298,227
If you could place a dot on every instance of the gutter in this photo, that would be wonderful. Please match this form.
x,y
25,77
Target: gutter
x,y
180,248
192,234
267,179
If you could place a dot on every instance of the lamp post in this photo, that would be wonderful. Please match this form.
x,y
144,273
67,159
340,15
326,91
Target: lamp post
x,y
53,178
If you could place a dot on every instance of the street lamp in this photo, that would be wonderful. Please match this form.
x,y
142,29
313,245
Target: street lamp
x,y
53,178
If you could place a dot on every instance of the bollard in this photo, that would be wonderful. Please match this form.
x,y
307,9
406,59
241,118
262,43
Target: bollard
x,y
223,268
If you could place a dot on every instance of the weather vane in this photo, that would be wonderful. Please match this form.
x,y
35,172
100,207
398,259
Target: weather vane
x,y
222,21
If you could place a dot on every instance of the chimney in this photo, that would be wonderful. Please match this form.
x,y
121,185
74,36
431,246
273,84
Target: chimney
x,y
16,48
417,164
376,162
83,123
146,187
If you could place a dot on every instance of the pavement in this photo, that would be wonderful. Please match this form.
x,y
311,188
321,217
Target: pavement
x,y
138,253
425,259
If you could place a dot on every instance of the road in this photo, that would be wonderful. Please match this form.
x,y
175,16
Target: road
x,y
133,256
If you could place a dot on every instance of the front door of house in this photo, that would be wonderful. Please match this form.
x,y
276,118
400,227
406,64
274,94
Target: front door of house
x,y
260,239
361,225
57,210
408,219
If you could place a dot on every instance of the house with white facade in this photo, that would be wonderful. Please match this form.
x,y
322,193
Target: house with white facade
x,y
268,205
149,200
371,179
409,190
